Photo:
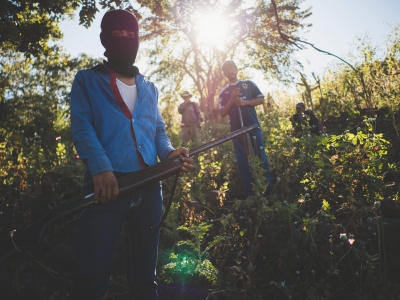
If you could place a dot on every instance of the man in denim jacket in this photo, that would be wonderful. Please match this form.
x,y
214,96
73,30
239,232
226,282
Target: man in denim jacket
x,y
117,128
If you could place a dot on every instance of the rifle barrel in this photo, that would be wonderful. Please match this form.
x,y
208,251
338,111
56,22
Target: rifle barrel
x,y
221,140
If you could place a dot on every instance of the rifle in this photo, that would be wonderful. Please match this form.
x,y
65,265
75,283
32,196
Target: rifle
x,y
248,147
20,240
246,138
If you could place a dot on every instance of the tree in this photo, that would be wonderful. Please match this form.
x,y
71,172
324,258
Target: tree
x,y
173,28
34,111
27,25
181,55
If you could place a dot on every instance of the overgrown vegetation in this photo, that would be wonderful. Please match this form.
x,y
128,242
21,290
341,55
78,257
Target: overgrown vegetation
x,y
328,231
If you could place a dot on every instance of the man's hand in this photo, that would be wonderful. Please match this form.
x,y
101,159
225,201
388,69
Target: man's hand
x,y
235,93
187,161
240,102
105,188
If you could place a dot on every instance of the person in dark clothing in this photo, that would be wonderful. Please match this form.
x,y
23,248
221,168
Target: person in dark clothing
x,y
303,119
191,119
117,128
238,100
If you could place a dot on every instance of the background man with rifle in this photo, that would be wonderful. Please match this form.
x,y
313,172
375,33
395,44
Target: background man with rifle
x,y
238,100
117,128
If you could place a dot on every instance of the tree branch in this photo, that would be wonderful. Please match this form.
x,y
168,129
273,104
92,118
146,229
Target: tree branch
x,y
293,40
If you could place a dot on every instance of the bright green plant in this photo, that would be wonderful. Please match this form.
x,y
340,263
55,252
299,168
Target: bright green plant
x,y
190,256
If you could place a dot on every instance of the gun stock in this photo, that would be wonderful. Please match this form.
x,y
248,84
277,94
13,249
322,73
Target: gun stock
x,y
26,238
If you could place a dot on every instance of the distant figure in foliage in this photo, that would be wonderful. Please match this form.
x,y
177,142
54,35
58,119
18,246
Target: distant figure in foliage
x,y
191,119
305,118
238,100
117,128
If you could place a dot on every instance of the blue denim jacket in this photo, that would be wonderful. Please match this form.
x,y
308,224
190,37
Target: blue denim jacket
x,y
101,124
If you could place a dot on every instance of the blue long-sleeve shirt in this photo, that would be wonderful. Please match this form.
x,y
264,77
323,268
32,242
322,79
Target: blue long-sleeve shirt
x,y
101,124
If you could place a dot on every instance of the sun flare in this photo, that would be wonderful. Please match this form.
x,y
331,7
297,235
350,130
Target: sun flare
x,y
211,29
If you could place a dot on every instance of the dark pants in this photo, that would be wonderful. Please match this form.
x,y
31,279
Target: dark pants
x,y
98,231
243,163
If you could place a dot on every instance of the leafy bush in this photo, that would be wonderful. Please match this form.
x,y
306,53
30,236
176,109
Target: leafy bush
x,y
190,258
319,233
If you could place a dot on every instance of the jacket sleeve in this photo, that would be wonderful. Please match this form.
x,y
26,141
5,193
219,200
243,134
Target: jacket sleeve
x,y
83,133
181,108
162,141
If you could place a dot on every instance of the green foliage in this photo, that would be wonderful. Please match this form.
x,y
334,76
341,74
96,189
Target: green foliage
x,y
298,226
214,168
375,83
318,234
35,139
348,164
313,235
28,26
189,259
34,122
260,183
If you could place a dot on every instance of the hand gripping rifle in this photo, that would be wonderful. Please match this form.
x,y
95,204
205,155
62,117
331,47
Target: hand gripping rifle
x,y
20,240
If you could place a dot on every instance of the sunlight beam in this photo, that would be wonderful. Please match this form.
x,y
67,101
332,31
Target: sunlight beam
x,y
211,29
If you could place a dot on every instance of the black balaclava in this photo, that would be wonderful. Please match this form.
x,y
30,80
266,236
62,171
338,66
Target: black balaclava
x,y
121,51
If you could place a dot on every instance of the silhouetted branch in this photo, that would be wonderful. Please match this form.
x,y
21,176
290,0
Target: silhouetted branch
x,y
293,40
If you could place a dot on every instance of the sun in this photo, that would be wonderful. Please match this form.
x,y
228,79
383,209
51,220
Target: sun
x,y
211,29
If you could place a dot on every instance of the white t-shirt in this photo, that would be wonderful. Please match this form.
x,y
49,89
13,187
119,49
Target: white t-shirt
x,y
128,94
